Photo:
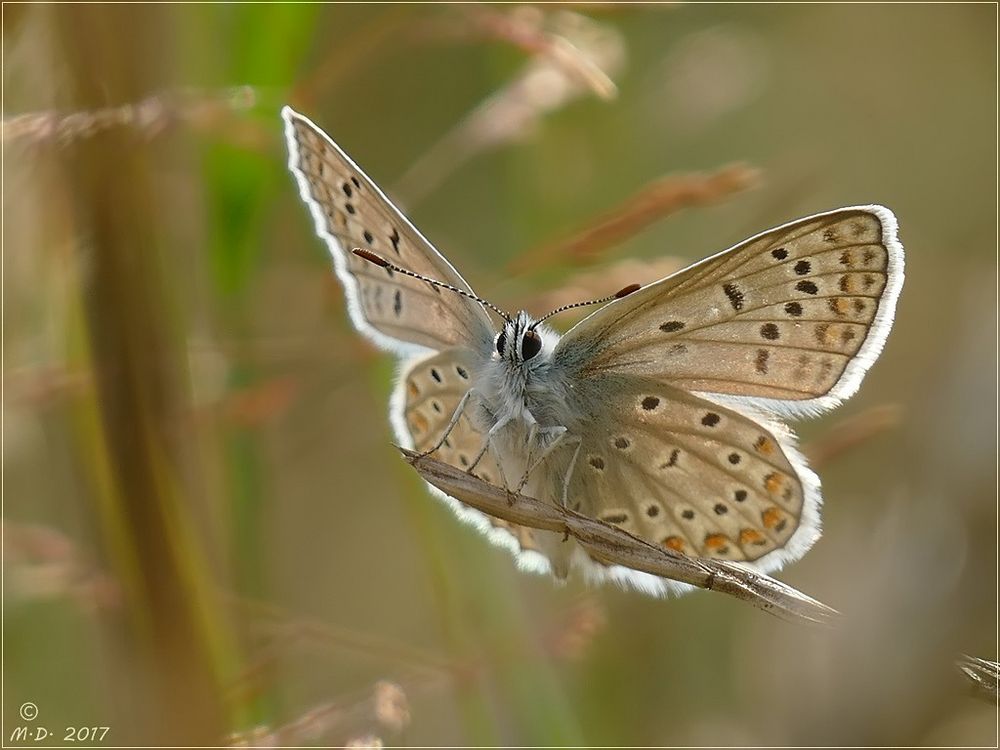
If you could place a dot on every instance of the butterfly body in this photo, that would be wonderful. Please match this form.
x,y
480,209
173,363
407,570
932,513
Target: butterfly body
x,y
660,412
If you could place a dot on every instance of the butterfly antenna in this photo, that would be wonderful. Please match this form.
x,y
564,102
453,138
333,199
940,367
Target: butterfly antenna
x,y
624,292
378,260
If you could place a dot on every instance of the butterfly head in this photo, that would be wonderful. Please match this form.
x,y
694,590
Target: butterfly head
x,y
522,340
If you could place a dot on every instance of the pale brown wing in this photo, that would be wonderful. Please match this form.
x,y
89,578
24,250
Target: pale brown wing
x,y
789,320
691,475
396,311
428,393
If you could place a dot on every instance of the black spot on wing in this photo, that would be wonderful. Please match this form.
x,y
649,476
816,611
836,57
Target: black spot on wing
x,y
734,294
769,331
672,461
808,287
760,363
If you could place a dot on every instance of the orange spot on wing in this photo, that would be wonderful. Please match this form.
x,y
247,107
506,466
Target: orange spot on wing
x,y
772,482
764,445
411,388
418,422
674,542
715,541
751,536
771,517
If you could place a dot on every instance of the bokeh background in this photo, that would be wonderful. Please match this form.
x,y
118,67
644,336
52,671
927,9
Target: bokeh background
x,y
208,537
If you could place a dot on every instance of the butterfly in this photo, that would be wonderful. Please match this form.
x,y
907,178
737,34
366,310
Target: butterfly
x,y
658,413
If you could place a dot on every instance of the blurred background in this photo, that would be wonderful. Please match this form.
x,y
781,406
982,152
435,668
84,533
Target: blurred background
x,y
208,536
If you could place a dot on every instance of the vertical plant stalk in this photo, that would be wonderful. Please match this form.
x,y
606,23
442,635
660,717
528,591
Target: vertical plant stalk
x,y
168,641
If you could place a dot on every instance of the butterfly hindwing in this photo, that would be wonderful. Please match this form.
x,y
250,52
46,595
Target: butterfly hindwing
x,y
789,320
692,475
398,312
426,397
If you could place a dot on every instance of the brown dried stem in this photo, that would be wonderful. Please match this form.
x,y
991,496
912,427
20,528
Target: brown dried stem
x,y
654,201
984,676
613,546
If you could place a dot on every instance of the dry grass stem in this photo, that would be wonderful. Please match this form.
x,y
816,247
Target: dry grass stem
x,y
613,546
586,59
984,676
851,432
42,563
392,708
364,742
523,27
386,703
654,201
149,117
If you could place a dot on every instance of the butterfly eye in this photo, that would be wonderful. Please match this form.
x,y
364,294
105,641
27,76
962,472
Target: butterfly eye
x,y
501,342
531,344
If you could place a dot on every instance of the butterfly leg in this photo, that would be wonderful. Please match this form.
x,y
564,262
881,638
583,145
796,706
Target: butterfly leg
x,y
451,425
500,424
569,472
560,440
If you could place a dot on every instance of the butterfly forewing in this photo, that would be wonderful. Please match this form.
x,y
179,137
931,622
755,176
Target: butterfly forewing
x,y
691,475
790,319
396,311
